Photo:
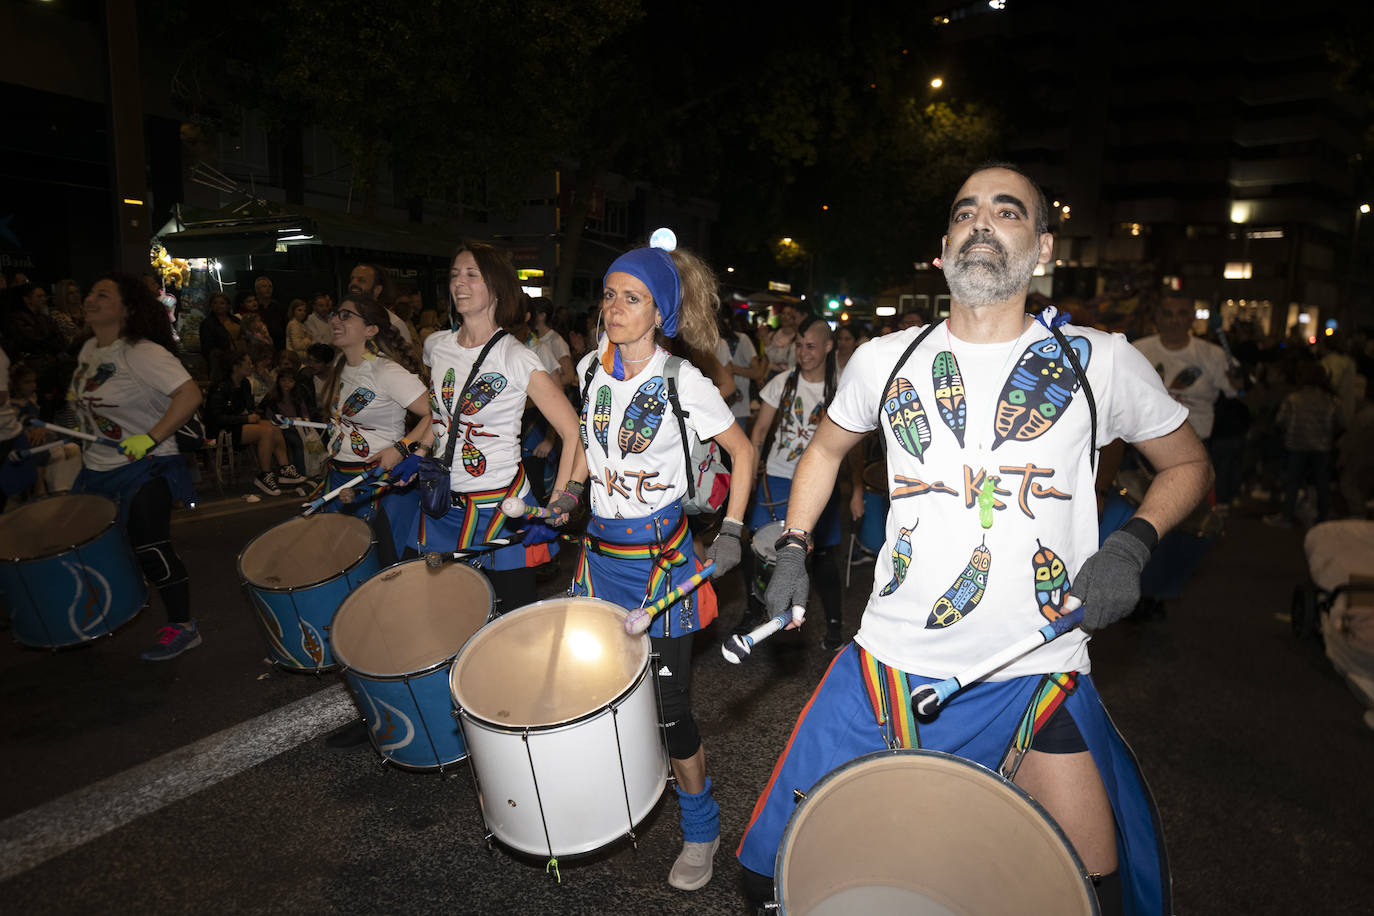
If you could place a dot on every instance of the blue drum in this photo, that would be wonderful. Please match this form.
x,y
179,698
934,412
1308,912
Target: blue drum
x,y
873,527
396,637
296,575
67,571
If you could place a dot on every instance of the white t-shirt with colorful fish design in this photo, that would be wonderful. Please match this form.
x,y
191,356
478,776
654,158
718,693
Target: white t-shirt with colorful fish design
x,y
487,414
370,413
797,424
996,434
123,390
634,451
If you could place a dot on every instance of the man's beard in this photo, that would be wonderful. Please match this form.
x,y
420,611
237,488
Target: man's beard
x,y
986,279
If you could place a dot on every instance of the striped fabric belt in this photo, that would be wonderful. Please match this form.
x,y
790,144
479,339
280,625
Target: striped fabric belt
x,y
669,548
474,502
352,468
889,693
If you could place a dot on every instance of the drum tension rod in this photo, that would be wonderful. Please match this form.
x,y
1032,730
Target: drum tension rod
x,y
798,796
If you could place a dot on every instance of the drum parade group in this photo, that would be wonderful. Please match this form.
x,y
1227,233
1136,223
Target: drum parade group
x,y
965,698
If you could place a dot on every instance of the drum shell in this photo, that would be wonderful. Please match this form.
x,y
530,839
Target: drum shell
x,y
764,544
295,620
575,776
410,714
72,596
925,832
873,526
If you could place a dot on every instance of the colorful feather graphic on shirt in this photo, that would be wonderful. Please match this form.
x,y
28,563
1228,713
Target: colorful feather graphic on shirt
x,y
901,560
961,598
1040,387
474,462
1185,378
101,376
907,418
949,393
359,444
601,417
447,390
804,433
359,399
1051,582
481,392
642,417
108,428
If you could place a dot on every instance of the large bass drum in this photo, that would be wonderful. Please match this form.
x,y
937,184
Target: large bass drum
x,y
920,832
559,712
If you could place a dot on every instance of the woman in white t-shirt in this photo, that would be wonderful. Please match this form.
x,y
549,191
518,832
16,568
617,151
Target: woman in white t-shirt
x,y
370,387
480,380
638,545
130,386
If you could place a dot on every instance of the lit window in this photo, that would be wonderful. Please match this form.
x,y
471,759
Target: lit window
x,y
1237,270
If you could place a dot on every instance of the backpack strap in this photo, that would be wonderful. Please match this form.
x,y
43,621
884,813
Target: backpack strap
x,y
670,371
907,354
587,379
1087,390
789,390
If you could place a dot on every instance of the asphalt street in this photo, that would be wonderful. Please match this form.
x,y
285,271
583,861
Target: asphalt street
x,y
203,784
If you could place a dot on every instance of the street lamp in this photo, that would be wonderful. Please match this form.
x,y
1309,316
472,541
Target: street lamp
x,y
936,83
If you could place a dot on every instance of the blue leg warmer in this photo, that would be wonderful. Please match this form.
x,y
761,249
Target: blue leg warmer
x,y
700,815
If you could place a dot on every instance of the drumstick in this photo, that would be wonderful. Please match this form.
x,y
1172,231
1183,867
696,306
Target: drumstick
x,y
638,620
75,433
318,501
927,698
737,647
515,507
435,560
20,454
286,422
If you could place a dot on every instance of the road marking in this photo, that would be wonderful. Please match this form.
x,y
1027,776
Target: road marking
x,y
32,837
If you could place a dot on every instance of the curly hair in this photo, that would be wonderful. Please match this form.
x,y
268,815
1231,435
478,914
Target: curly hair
x,y
388,343
147,318
499,275
696,320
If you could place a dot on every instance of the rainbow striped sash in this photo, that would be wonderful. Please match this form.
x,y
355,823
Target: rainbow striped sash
x,y
883,684
1054,689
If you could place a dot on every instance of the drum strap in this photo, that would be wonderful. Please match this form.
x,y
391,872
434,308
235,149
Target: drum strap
x,y
473,503
888,693
1054,689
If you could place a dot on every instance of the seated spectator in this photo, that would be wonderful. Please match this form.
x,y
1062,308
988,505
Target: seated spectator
x,y
321,331
286,400
314,375
297,334
264,377
229,407
255,334
67,311
219,334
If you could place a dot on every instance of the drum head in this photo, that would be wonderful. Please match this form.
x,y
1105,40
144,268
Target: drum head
x,y
766,541
875,477
922,832
54,524
409,618
305,551
548,663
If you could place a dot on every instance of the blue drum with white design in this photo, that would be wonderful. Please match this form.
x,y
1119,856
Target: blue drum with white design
x,y
67,571
296,575
396,637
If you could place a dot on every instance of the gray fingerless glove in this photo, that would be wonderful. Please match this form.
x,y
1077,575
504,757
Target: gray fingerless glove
x,y
566,500
1108,583
724,550
790,584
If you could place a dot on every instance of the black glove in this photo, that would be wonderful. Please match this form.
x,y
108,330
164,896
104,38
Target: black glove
x,y
724,550
1108,582
565,501
790,584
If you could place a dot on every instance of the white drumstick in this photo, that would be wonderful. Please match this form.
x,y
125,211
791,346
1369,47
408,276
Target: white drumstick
x,y
515,507
20,454
737,647
285,422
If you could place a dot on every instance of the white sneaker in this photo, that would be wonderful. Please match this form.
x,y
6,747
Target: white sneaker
x,y
694,865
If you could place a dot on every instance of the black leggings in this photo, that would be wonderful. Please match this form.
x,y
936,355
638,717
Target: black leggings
x,y
150,528
675,688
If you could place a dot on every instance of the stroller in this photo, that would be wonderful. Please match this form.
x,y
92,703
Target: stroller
x,y
1339,601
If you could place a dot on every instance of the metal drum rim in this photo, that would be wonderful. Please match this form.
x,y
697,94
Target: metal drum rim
x,y
18,561
785,842
278,589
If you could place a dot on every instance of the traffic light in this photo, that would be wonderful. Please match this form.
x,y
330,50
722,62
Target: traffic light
x,y
833,305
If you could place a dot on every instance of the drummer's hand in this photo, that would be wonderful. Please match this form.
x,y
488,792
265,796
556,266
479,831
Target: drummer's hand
x,y
543,448
564,503
137,446
36,436
790,586
725,549
389,457
1108,582
856,504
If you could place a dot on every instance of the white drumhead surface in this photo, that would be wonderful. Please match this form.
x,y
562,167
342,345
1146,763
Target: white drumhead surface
x,y
305,551
53,525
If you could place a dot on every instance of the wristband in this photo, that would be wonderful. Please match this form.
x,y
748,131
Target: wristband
x,y
794,536
1142,531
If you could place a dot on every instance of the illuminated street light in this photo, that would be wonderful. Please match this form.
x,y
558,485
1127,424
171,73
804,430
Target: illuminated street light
x,y
936,83
1364,208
